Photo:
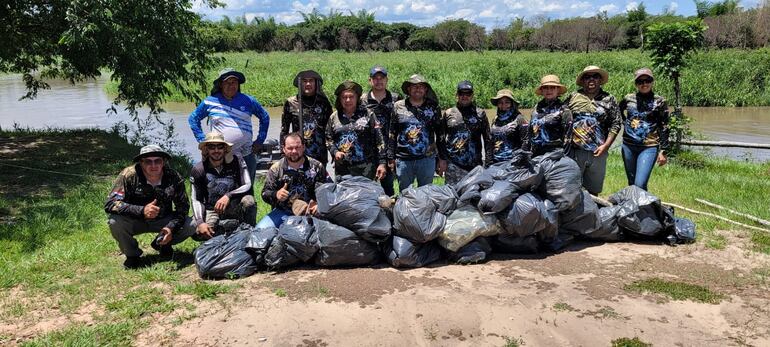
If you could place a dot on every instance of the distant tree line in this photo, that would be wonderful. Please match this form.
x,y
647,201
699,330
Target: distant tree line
x,y
729,26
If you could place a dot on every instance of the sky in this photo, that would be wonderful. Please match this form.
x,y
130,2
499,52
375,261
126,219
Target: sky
x,y
488,13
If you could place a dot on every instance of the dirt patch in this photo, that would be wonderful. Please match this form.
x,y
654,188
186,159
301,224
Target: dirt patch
x,y
363,286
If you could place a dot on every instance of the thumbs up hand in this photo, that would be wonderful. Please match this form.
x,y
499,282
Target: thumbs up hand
x,y
151,210
283,193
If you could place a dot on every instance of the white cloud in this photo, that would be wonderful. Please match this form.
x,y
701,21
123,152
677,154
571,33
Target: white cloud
x,y
673,6
610,8
299,6
419,6
632,6
489,13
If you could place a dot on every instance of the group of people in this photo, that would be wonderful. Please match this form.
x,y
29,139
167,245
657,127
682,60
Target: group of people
x,y
377,134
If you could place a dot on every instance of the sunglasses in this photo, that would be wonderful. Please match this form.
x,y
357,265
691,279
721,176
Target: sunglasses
x,y
155,161
217,146
643,81
595,76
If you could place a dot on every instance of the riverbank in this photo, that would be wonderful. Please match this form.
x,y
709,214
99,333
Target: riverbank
x,y
62,283
713,78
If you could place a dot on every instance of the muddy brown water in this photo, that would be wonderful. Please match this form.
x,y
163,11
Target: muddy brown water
x,y
85,105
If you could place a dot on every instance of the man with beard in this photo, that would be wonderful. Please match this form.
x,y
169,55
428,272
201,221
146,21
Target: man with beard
x,y
463,129
290,183
379,103
312,110
413,134
220,188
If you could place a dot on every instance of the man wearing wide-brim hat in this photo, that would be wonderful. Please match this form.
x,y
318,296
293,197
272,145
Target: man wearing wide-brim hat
x,y
307,113
220,187
229,112
593,129
413,133
508,130
148,197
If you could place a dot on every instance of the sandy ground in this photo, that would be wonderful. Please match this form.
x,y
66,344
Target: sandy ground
x,y
574,298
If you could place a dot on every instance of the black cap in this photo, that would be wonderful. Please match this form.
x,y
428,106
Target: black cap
x,y
465,85
378,69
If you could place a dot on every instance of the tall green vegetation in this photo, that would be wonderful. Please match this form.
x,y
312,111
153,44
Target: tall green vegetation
x,y
671,44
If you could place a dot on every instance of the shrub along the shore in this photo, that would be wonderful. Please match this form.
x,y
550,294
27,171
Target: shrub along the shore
x,y
713,78
58,254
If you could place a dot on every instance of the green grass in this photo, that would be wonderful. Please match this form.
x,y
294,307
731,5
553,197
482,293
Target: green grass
x,y
513,341
626,342
675,290
58,254
761,241
563,306
269,75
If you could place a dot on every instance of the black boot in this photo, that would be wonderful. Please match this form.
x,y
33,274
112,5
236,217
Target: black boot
x,y
132,263
165,251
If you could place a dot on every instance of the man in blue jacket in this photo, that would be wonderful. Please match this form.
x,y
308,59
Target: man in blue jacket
x,y
229,112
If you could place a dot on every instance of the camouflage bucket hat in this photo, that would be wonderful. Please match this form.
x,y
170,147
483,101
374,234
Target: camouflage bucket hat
x,y
417,79
151,151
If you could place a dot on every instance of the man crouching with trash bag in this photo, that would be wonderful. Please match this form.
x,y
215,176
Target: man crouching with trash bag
x,y
220,187
148,197
290,183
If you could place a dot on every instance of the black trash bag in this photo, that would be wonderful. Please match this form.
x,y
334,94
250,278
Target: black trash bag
x,y
466,224
295,243
338,246
529,215
469,188
403,253
475,252
515,244
641,213
520,171
420,213
583,219
684,231
355,203
560,242
561,179
497,197
609,230
260,242
225,256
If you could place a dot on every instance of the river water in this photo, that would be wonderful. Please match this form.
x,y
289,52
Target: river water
x,y
85,104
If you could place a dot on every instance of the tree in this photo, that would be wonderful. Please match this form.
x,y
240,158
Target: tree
x,y
671,44
149,46
636,19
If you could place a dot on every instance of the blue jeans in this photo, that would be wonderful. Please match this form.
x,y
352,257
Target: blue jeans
x,y
639,161
421,169
275,218
251,163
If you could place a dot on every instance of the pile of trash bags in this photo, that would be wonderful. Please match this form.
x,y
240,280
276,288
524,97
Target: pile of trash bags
x,y
527,205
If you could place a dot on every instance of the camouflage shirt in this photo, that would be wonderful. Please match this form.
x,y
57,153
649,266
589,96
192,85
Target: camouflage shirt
x,y
508,132
548,126
357,136
589,130
381,110
645,119
131,192
301,183
462,131
413,130
315,115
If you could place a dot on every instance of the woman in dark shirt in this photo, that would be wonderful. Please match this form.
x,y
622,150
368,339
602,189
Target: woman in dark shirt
x,y
550,118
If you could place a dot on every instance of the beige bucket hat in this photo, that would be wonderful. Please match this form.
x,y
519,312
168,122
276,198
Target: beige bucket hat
x,y
503,93
550,80
215,137
593,69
